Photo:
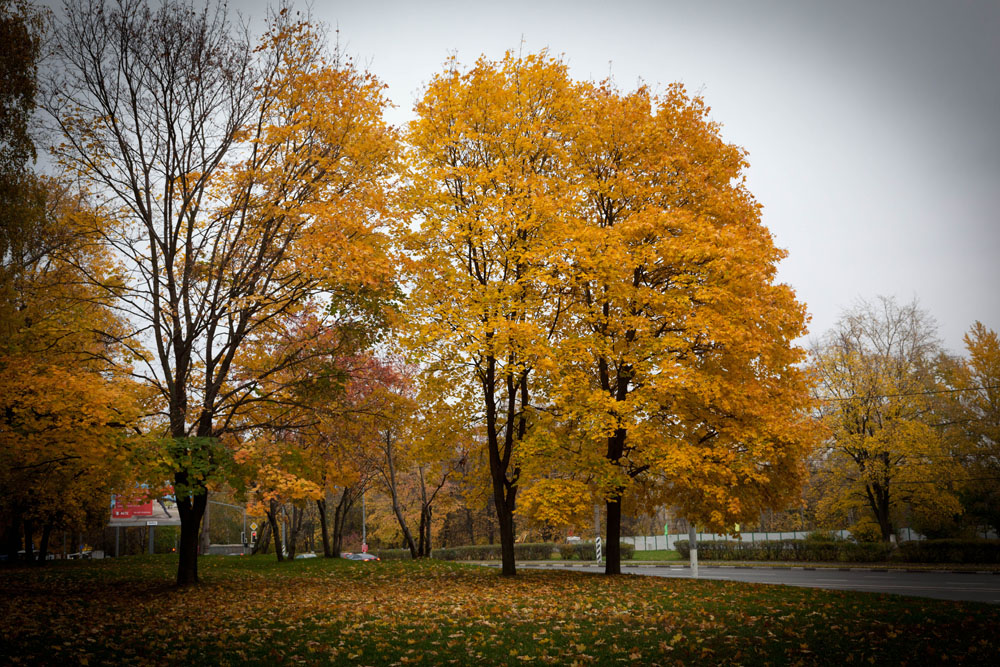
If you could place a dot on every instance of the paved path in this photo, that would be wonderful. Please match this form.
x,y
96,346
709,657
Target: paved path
x,y
945,585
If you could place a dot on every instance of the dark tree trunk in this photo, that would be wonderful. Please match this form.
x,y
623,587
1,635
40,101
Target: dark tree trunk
x,y
29,540
340,520
191,510
470,526
43,547
272,519
612,550
503,478
263,543
12,543
391,482
295,527
324,528
879,501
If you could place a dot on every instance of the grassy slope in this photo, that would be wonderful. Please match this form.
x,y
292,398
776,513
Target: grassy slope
x,y
252,610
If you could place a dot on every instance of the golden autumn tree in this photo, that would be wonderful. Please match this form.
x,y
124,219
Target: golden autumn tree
x,y
65,404
488,190
242,178
976,415
878,381
675,367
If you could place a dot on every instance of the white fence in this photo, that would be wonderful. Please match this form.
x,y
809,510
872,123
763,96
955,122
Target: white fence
x,y
655,542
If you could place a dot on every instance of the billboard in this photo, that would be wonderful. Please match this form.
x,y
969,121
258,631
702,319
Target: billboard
x,y
144,508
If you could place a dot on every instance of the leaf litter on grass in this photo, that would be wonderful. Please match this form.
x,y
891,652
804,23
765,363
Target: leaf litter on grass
x,y
256,611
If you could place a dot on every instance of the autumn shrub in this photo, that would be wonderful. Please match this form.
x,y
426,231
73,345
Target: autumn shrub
x,y
948,551
394,554
866,530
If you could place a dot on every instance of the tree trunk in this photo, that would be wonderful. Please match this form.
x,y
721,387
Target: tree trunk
x,y
295,527
263,543
504,483
340,520
29,540
878,500
390,480
43,548
612,547
426,516
12,544
272,519
470,526
191,510
324,528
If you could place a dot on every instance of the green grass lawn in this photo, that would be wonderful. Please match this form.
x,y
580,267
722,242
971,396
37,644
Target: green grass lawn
x,y
253,610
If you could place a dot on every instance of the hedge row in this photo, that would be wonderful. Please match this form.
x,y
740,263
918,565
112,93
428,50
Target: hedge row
x,y
587,551
788,550
539,551
948,551
922,551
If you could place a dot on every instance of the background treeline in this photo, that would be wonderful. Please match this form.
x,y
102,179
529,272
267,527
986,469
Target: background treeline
x,y
544,307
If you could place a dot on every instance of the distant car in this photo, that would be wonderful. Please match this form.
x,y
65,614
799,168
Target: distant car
x,y
361,557
301,556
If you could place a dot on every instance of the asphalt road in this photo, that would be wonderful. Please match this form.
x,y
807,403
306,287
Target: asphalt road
x,y
967,586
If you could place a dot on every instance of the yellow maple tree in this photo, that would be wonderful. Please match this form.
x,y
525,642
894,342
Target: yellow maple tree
x,y
675,366
487,191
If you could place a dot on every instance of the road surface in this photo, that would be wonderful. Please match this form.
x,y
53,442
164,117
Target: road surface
x,y
945,585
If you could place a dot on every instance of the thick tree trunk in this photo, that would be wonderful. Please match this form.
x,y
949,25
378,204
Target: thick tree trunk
x,y
504,480
505,521
879,501
191,510
612,549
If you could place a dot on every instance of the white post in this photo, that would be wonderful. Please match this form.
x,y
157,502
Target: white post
x,y
693,541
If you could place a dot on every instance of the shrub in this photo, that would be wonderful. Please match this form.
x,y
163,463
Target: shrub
x,y
866,530
787,550
393,554
578,551
539,551
948,551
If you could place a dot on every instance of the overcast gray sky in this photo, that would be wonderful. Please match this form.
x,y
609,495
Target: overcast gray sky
x,y
872,126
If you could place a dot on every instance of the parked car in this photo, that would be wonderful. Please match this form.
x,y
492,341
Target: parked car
x,y
305,555
365,556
